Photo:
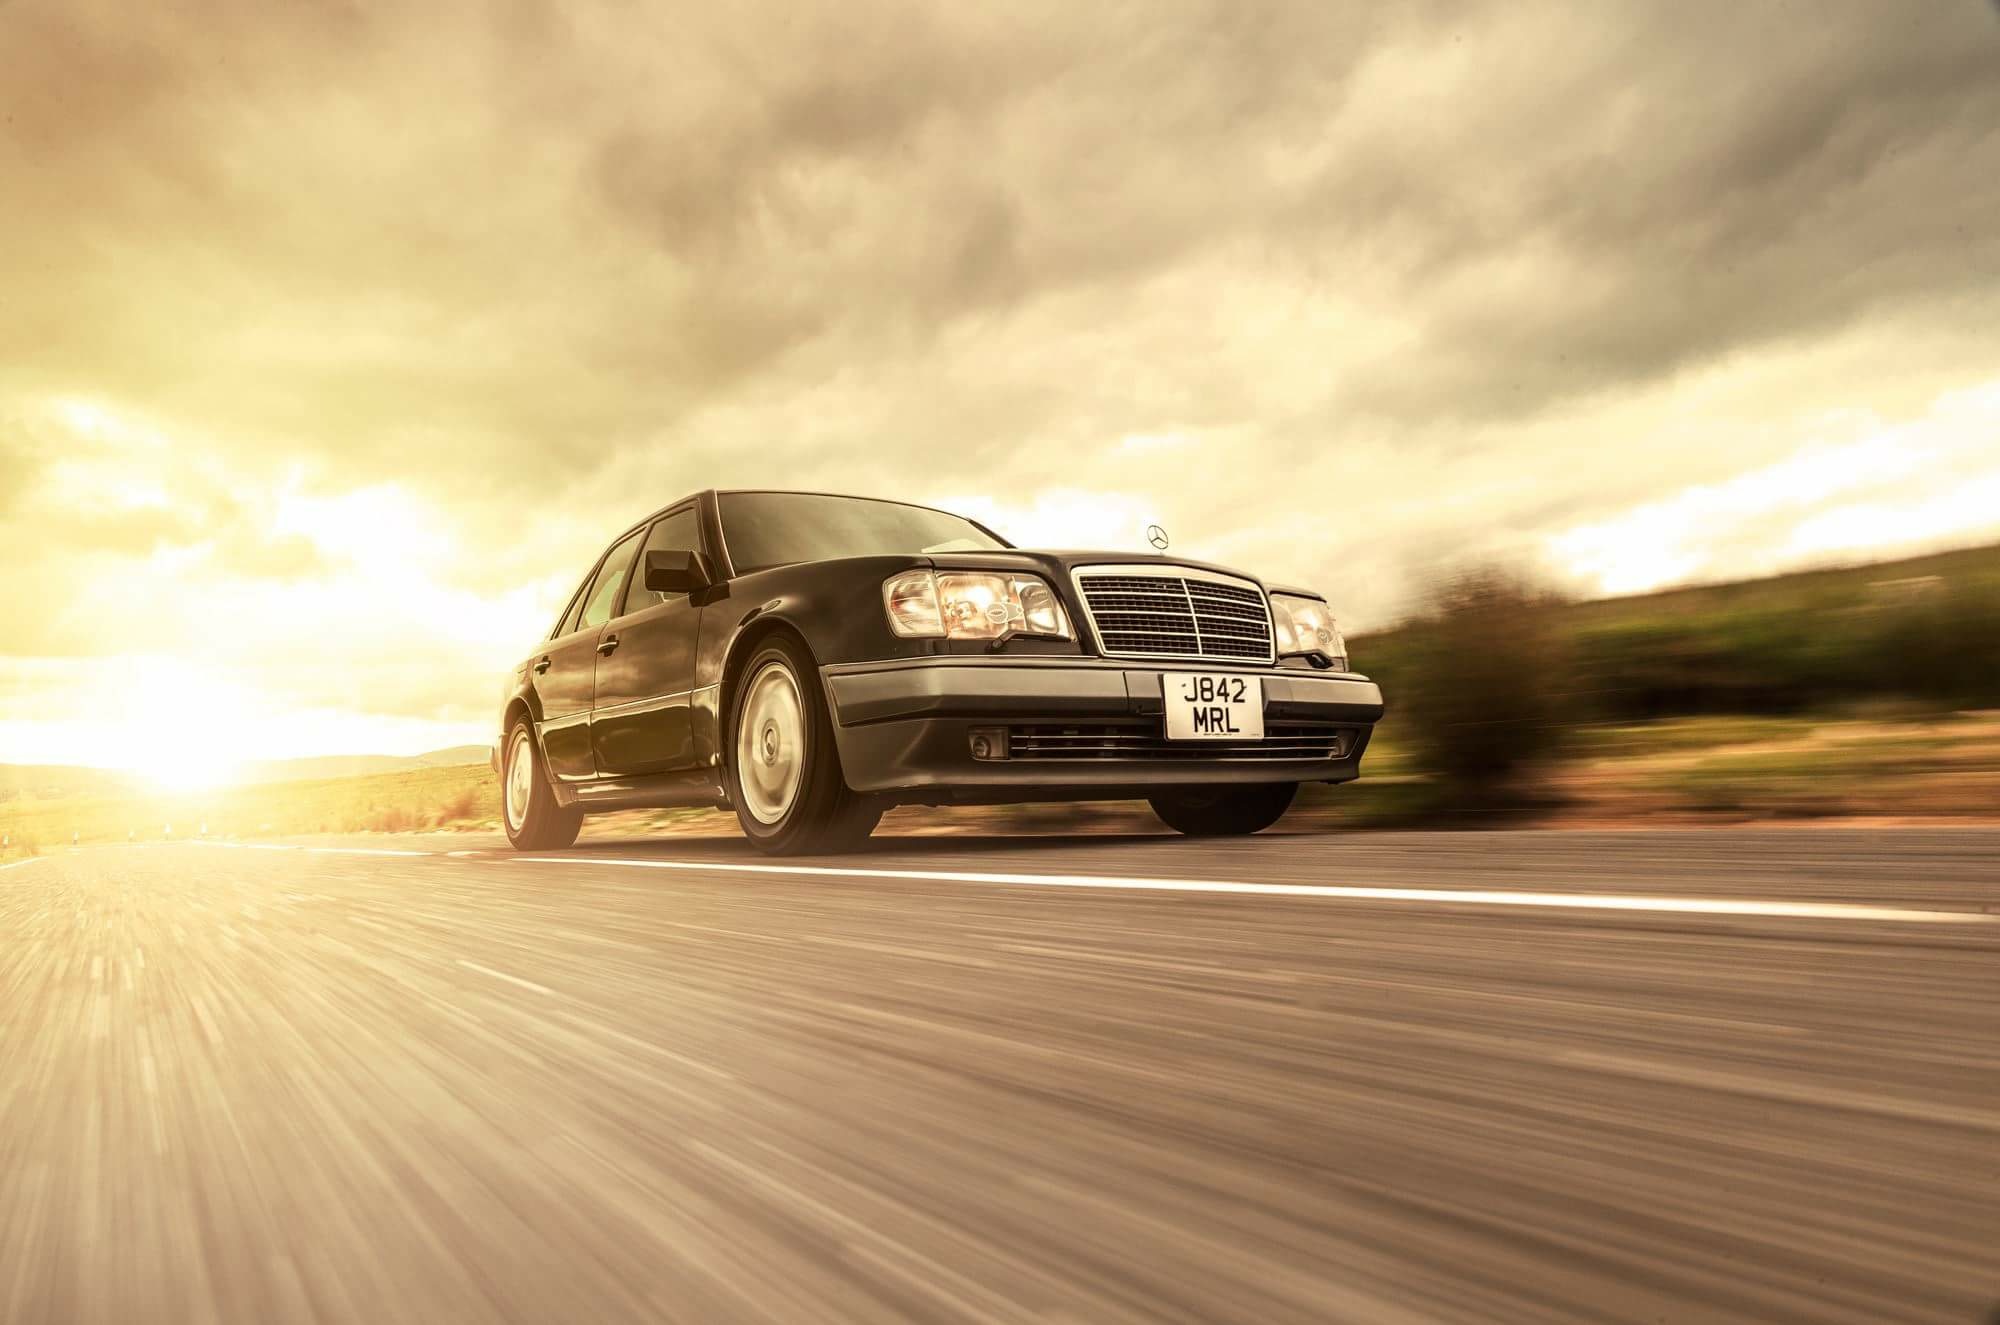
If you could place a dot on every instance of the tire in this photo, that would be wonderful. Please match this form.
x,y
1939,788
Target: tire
x,y
780,763
1224,811
528,808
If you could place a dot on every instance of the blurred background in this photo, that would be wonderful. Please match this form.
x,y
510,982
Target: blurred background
x,y
1864,693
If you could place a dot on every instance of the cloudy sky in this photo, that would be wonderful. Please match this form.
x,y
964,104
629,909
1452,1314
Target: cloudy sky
x,y
336,338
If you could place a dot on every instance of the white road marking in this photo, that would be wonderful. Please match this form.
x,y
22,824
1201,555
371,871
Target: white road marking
x,y
502,975
1452,896
14,865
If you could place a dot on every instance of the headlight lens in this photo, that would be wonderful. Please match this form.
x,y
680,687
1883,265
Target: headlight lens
x,y
972,605
1306,626
912,601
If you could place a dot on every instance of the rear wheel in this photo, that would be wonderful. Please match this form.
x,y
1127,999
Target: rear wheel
x,y
1224,811
535,822
783,770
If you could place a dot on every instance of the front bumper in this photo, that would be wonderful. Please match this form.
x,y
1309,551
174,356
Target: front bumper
x,y
904,729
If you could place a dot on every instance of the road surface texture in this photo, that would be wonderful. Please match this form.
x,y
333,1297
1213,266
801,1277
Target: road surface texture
x,y
1673,1076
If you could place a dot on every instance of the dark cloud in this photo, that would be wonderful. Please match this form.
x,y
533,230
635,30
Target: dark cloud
x,y
1741,176
529,227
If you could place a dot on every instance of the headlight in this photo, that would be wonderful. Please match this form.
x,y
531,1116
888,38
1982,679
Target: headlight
x,y
956,604
1306,626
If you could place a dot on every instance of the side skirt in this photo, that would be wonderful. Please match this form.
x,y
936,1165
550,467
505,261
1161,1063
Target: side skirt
x,y
656,791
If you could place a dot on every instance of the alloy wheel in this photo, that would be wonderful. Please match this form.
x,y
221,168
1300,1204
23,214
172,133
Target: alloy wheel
x,y
520,778
771,743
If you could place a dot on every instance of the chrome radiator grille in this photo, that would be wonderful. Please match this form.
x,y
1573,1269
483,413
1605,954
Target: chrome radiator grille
x,y
1142,613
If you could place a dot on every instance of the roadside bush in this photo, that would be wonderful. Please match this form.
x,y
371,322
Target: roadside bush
x,y
1938,647
1482,682
390,819
465,805
1679,667
1942,646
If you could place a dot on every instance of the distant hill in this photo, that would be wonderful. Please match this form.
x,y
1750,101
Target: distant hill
x,y
49,782
348,766
61,782
1860,584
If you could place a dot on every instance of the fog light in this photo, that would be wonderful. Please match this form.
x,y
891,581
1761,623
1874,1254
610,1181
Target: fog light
x,y
989,742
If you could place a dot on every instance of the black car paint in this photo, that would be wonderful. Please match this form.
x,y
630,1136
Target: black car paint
x,y
661,741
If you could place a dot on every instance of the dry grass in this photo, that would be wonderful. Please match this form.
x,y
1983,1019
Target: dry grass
x,y
422,799
1724,769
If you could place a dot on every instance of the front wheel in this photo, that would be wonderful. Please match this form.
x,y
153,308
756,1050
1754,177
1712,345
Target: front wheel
x,y
535,822
1224,811
783,770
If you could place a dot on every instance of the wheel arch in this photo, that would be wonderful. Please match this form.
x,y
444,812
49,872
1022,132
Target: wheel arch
x,y
754,632
522,705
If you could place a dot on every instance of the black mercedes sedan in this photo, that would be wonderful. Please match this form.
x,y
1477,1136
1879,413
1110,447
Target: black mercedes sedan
x,y
810,660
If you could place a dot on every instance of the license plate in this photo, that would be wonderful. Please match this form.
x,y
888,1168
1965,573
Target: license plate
x,y
1209,706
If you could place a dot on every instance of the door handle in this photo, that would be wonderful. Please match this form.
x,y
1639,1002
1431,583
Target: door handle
x,y
604,647
541,666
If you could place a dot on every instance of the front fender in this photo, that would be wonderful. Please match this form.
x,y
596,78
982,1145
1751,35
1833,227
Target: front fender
x,y
835,607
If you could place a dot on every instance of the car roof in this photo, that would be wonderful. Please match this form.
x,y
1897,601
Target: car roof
x,y
843,496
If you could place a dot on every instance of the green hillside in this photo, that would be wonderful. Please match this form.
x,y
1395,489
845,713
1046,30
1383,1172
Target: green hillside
x,y
1922,631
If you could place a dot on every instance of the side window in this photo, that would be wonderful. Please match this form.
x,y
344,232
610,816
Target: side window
x,y
567,621
602,597
571,624
676,531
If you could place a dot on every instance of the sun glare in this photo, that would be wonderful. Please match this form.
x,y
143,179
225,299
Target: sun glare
x,y
181,771
180,726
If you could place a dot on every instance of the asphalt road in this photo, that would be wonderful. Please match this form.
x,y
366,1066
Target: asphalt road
x,y
1701,1076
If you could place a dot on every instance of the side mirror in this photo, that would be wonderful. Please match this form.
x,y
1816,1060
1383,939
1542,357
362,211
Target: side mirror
x,y
677,572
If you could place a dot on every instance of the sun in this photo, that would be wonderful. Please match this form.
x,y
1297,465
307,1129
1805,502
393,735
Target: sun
x,y
181,770
181,728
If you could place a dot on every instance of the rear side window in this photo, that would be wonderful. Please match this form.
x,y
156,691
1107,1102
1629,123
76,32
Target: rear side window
x,y
602,597
567,621
677,531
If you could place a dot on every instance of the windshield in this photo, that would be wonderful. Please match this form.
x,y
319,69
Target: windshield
x,y
765,529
